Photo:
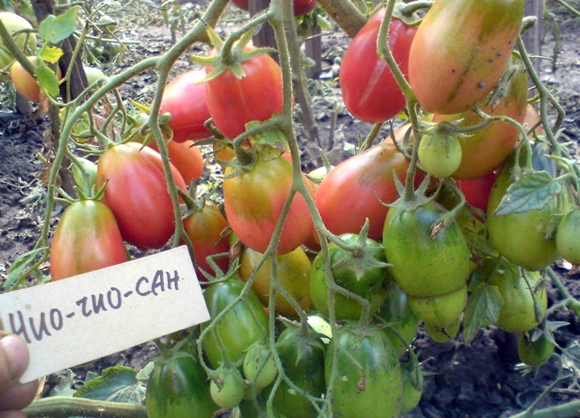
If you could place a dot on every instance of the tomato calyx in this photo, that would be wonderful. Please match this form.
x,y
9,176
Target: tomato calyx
x,y
407,12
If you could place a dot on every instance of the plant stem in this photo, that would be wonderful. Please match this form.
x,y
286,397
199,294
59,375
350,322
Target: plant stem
x,y
64,406
345,14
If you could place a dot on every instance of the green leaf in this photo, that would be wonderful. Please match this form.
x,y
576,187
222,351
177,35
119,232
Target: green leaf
x,y
47,79
571,357
55,29
118,384
19,264
531,192
51,54
483,304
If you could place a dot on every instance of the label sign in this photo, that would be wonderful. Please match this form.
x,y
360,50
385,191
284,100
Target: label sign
x,y
92,315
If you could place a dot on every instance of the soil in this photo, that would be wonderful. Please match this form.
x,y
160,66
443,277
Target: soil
x,y
466,380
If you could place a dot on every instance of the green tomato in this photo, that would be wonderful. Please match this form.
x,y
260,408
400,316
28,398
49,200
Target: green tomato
x,y
443,335
440,311
568,237
259,366
440,154
535,353
229,391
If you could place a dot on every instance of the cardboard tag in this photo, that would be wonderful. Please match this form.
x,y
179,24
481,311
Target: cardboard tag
x,y
92,315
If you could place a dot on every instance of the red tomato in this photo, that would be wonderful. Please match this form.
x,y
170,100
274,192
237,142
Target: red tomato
x,y
477,191
207,229
369,89
137,194
186,157
253,202
301,7
242,4
87,238
185,101
153,155
233,102
354,189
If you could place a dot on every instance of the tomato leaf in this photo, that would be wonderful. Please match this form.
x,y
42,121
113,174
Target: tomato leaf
x,y
117,384
531,192
483,304
571,357
55,29
52,54
47,79
19,264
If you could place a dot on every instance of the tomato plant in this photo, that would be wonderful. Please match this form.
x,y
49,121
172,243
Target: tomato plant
x,y
87,238
184,98
363,272
178,389
208,230
137,194
467,45
534,353
369,381
440,154
253,201
293,275
369,89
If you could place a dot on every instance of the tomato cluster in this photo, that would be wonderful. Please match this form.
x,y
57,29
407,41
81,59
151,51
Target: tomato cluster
x,y
456,209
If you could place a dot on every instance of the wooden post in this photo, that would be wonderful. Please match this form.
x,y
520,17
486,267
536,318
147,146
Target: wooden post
x,y
314,52
265,37
533,37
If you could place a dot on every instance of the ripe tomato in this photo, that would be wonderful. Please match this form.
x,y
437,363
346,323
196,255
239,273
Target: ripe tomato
x,y
254,200
368,178
293,272
185,100
440,154
369,89
356,273
302,357
186,157
178,389
461,50
301,7
477,191
369,381
517,313
153,155
486,149
137,194
233,102
87,238
535,353
567,234
241,327
426,263
26,84
208,231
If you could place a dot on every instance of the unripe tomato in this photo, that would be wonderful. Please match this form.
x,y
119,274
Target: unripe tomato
x,y
259,366
137,194
425,262
185,100
535,353
568,237
178,389
302,357
93,74
485,149
254,200
208,231
87,238
369,179
355,273
517,313
443,335
369,382
90,171
440,311
15,23
230,392
369,89
293,273
233,102
467,45
26,84
241,327
440,154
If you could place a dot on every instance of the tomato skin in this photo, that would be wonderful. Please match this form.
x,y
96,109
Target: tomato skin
x,y
369,89
302,357
87,238
440,311
186,101
233,102
178,389
440,154
425,266
375,391
371,284
535,353
302,7
207,230
238,329
254,200
487,148
567,242
137,194
368,178
467,45
477,191
293,271
437,334
231,393
185,157
24,83
15,23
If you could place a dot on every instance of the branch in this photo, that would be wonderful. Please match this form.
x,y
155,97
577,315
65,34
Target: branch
x,y
345,14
